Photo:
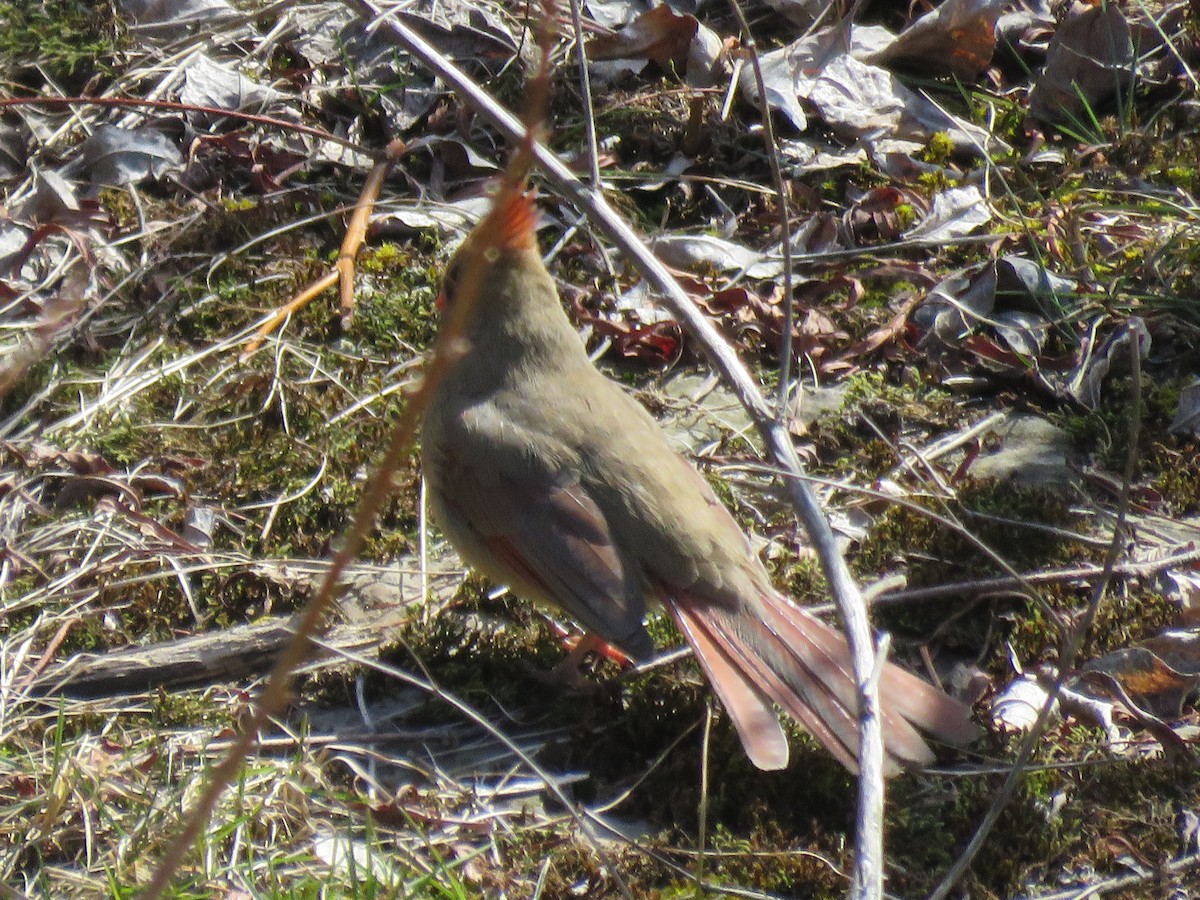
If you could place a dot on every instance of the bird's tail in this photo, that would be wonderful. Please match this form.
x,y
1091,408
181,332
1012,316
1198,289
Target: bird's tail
x,y
772,652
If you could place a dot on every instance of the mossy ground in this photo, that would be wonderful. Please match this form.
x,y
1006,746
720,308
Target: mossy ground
x,y
280,445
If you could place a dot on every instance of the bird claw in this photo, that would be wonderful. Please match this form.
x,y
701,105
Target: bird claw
x,y
585,651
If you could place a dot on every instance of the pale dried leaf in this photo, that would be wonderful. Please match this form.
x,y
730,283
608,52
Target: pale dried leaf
x,y
1084,382
351,858
1025,333
1016,707
779,73
118,156
697,252
953,213
207,82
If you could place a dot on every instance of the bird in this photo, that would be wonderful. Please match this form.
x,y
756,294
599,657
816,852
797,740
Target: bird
x,y
551,479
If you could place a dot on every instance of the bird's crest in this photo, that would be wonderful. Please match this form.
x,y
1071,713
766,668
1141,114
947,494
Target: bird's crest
x,y
515,220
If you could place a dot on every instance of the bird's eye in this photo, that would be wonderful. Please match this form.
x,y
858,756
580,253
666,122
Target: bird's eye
x,y
449,284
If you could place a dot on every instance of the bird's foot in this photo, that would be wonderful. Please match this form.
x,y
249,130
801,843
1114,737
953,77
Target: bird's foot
x,y
585,650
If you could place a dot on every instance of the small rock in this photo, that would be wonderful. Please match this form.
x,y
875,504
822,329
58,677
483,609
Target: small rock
x,y
1032,452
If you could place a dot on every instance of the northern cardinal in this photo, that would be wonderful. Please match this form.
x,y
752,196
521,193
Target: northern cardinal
x,y
550,479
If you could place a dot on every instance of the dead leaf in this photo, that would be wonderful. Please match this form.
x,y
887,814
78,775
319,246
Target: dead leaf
x,y
886,334
1016,707
701,252
115,157
952,213
1099,358
1025,333
1090,60
1187,413
957,306
674,42
39,454
780,72
957,38
1147,678
207,82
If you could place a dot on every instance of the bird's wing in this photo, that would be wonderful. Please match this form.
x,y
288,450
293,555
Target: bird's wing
x,y
543,534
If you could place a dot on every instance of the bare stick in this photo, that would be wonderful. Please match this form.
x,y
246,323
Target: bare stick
x,y
982,586
1071,648
136,102
585,88
342,273
867,883
723,356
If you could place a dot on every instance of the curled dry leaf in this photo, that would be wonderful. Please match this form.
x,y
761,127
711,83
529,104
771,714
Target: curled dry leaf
x,y
207,82
1016,707
888,333
1025,333
674,42
1101,357
115,157
659,343
1090,60
957,305
956,38
952,213
701,252
38,455
875,214
1150,681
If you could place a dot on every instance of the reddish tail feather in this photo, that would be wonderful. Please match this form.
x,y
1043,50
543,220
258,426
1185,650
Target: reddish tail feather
x,y
769,651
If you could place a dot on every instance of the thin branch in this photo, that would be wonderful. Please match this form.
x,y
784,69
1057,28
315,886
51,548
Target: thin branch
x,y
585,89
750,51
137,102
724,358
1072,646
1178,867
868,852
981,586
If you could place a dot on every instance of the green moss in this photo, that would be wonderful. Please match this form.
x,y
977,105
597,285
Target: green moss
x,y
849,442
69,40
933,554
1175,469
187,709
880,295
939,149
1104,431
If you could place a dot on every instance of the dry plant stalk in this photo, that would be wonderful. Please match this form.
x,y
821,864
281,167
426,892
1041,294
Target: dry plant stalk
x,y
309,622
342,273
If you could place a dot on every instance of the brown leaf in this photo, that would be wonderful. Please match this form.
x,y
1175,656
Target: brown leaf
x,y
1090,59
891,331
660,35
1147,678
957,38
40,455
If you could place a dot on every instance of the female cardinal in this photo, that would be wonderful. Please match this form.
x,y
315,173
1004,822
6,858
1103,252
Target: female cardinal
x,y
549,478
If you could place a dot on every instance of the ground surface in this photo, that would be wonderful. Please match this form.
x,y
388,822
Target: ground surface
x,y
968,293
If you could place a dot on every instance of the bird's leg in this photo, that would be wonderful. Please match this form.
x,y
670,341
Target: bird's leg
x,y
581,646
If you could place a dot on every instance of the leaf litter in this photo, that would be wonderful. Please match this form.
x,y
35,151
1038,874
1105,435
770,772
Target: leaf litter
x,y
120,332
